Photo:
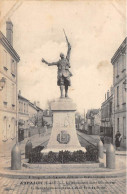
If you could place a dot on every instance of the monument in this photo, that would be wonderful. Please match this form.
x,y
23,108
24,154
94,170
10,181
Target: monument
x,y
63,135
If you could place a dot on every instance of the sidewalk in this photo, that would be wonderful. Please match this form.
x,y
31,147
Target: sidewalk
x,y
121,152
58,170
35,140
88,138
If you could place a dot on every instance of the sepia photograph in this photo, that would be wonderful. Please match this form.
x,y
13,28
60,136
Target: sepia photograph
x,y
63,92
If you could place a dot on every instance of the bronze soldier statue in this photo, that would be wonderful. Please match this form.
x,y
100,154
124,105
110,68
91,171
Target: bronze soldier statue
x,y
63,74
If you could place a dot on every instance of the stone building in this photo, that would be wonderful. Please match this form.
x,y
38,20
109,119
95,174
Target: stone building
x,y
23,115
33,110
8,86
106,128
30,116
47,116
93,120
119,83
28,112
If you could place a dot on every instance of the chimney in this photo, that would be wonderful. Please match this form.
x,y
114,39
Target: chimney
x,y
20,92
111,90
107,94
47,112
9,31
38,104
35,103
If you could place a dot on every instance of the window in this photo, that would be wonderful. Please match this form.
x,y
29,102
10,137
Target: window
x,y
24,107
5,60
13,95
13,128
117,124
124,127
110,108
27,108
123,62
4,131
117,69
123,94
5,91
13,70
117,95
19,105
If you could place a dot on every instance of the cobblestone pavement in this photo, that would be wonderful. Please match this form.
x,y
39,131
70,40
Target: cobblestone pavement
x,y
63,186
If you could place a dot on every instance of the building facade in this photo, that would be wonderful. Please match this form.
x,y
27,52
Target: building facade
x,y
48,117
93,121
23,116
8,85
119,83
107,115
30,117
33,111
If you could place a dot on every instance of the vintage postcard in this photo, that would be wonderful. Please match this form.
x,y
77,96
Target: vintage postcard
x,y
63,86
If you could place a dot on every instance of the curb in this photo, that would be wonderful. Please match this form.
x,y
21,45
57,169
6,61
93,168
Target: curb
x,y
19,174
118,154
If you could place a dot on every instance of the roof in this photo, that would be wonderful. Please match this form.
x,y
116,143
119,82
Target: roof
x,y
4,41
109,99
120,50
34,106
39,108
93,111
47,115
22,98
30,103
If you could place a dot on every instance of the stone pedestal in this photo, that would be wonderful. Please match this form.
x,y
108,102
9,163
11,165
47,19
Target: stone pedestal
x,y
63,135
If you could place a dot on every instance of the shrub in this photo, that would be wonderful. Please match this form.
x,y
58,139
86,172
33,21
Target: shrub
x,y
51,157
64,156
35,155
91,153
79,156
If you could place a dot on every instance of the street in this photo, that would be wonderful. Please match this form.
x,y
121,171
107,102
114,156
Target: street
x,y
87,184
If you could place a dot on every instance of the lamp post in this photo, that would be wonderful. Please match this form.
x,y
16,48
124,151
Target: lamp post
x,y
2,83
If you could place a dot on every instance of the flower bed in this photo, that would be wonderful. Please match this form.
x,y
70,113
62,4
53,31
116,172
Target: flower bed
x,y
64,156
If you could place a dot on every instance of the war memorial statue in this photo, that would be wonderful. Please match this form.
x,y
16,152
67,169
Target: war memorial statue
x,y
63,136
63,75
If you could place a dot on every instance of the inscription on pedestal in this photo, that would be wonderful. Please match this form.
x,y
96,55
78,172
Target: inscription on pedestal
x,y
64,120
63,137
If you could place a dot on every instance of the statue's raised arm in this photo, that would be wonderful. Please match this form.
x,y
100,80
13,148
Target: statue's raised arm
x,y
68,52
69,47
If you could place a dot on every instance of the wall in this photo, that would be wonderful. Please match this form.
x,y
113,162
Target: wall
x,y
119,76
23,112
8,96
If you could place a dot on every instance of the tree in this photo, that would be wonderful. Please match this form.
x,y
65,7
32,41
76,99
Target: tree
x,y
34,119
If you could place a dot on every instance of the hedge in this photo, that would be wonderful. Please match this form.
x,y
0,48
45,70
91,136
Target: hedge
x,y
36,156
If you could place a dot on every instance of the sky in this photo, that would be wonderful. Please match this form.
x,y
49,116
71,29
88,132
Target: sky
x,y
95,30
